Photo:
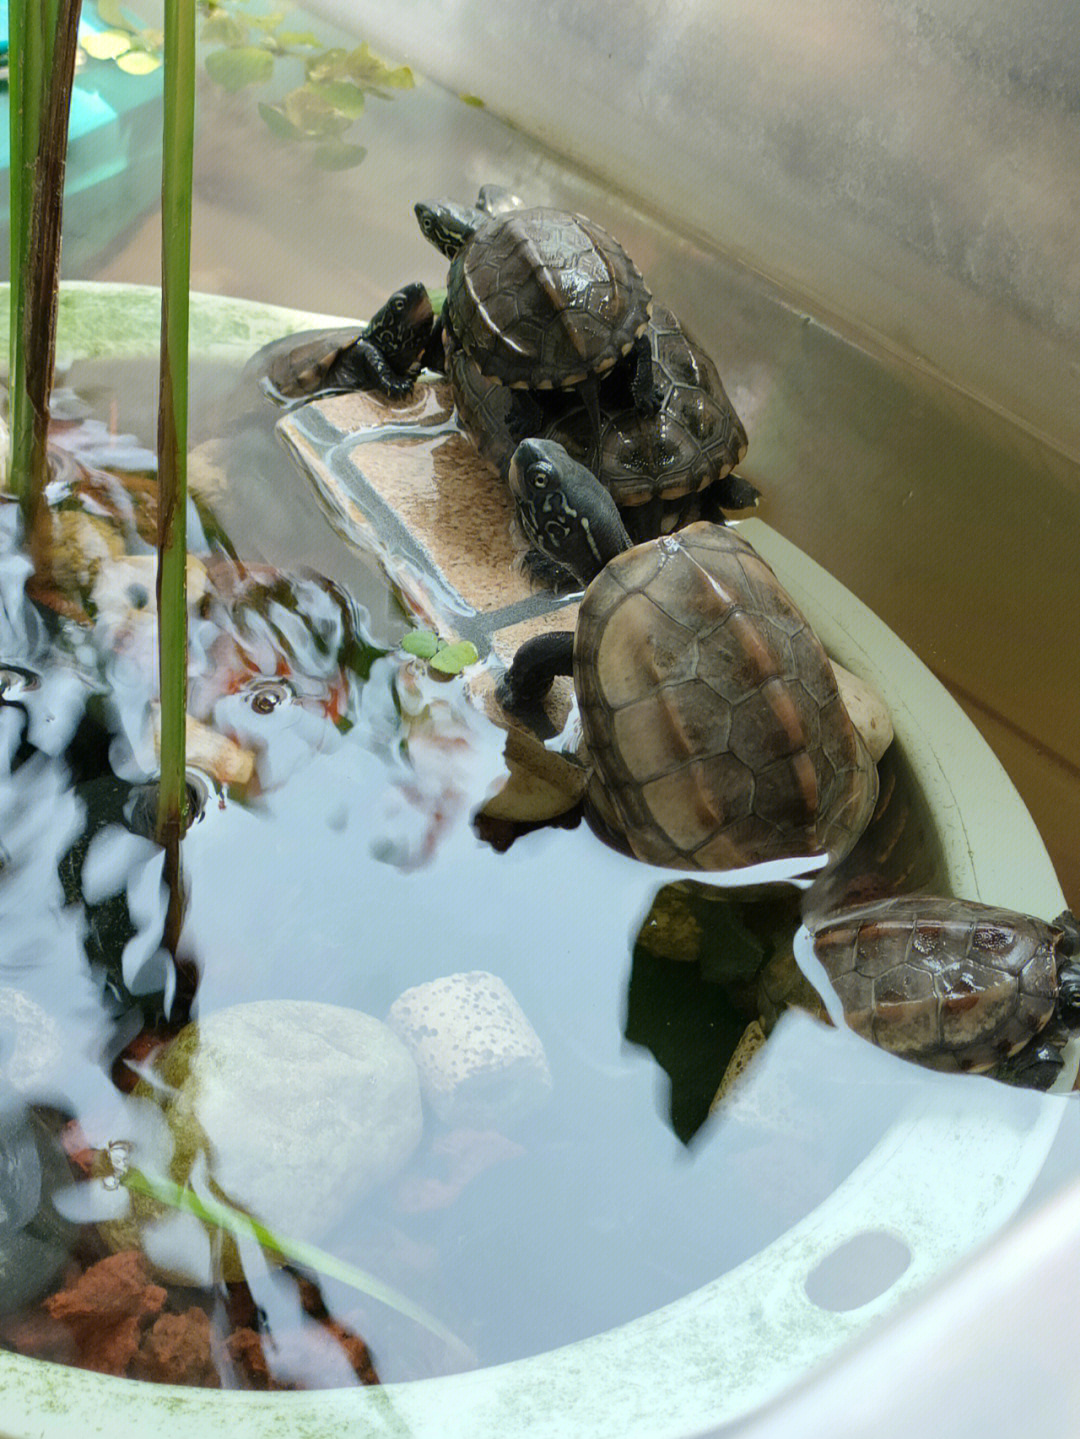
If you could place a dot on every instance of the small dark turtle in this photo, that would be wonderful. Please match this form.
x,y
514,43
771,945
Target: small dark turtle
x,y
715,732
648,462
539,298
385,355
954,984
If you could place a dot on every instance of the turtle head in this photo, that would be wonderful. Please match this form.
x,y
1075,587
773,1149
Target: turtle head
x,y
447,225
564,510
400,331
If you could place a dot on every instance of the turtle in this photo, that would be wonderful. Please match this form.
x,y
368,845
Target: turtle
x,y
714,729
540,298
656,466
386,354
954,984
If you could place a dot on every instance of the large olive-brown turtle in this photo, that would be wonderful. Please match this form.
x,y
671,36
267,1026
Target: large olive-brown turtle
x,y
539,298
714,727
951,983
647,461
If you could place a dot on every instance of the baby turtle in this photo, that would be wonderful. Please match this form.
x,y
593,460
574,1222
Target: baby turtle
x,y
954,984
385,355
655,465
539,298
715,732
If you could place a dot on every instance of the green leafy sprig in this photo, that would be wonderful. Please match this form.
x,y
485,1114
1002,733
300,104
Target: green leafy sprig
x,y
242,47
446,658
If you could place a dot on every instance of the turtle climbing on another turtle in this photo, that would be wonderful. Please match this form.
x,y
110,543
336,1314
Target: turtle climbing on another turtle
x,y
714,728
386,354
541,299
661,468
954,984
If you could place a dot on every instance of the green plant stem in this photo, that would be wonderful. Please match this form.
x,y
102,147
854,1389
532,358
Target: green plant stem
x,y
43,43
178,146
234,1221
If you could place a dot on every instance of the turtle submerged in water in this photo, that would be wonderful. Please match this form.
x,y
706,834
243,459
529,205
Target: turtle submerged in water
x,y
950,984
714,728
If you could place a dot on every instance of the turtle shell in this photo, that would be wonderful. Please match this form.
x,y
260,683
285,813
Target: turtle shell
x,y
693,440
950,983
688,445
542,299
711,715
299,365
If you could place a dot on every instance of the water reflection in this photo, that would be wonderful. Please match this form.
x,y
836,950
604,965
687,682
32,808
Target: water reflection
x,y
345,870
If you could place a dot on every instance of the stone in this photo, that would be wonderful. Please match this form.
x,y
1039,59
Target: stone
x,y
35,1242
481,1063
32,1052
868,711
289,1110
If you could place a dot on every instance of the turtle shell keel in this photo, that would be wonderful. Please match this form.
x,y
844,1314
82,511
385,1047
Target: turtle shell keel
x,y
710,711
950,983
543,299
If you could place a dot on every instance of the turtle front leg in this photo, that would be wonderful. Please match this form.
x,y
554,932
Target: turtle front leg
x,y
401,337
364,367
534,667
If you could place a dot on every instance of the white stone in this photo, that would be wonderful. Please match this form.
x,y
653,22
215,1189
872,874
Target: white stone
x,y
291,1110
481,1063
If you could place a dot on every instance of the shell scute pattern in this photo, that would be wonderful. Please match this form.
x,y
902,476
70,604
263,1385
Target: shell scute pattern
x,y
542,299
956,985
707,746
693,440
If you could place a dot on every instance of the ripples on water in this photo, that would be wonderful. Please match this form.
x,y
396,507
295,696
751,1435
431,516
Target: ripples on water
x,y
346,869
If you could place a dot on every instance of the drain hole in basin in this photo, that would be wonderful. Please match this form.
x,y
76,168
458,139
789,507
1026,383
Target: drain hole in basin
x,y
861,1269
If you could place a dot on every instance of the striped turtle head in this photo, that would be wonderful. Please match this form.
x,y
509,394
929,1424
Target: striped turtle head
x,y
400,331
564,510
447,225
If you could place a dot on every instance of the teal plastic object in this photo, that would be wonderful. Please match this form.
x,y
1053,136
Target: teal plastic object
x,y
114,154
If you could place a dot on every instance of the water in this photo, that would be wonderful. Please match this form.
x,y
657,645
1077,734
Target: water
x,y
352,872
353,876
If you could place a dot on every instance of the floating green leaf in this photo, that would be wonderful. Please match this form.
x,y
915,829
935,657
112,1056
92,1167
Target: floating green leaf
x,y
345,97
110,13
278,123
298,37
335,154
422,643
222,29
452,659
106,44
330,65
239,66
367,69
138,62
310,111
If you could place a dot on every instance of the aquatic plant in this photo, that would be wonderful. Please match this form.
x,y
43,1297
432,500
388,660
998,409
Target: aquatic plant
x,y
219,1215
176,175
242,48
42,36
42,46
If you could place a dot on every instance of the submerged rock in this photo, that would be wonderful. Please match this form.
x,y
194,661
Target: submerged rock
x,y
481,1063
289,1110
34,1240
